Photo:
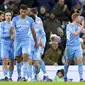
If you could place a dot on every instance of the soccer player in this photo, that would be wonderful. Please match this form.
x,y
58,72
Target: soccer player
x,y
73,46
7,49
41,62
1,19
35,53
37,19
22,25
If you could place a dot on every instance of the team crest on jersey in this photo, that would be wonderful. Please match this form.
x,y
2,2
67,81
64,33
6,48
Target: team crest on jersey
x,y
27,22
70,29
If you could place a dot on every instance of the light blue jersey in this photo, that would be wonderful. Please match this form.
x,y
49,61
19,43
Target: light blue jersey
x,y
7,50
38,21
0,31
72,40
73,46
35,53
23,28
0,39
39,32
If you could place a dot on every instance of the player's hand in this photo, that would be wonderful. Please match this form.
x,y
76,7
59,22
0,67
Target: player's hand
x,y
65,7
55,64
12,37
42,45
36,45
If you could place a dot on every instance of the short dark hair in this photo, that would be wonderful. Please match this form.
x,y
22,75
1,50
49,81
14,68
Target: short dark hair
x,y
34,10
8,11
1,12
62,71
24,7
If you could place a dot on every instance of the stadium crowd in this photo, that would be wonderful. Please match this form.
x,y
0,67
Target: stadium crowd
x,y
54,15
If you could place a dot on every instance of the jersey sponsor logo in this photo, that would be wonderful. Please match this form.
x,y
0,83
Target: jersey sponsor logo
x,y
22,26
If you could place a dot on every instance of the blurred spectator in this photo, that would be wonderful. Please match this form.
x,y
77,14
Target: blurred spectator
x,y
59,76
70,3
83,48
55,37
51,25
53,54
17,1
77,7
29,3
62,44
14,7
2,5
81,1
61,11
43,13
83,10
47,3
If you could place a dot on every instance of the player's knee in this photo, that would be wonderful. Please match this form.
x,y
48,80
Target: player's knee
x,y
5,59
11,62
30,62
79,60
25,57
5,63
36,63
19,59
68,62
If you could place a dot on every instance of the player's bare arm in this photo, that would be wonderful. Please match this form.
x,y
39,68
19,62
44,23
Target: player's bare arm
x,y
11,33
35,39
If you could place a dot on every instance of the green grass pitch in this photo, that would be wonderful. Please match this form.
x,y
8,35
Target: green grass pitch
x,y
42,83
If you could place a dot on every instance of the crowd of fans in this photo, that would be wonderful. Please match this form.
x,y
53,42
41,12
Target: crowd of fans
x,y
55,14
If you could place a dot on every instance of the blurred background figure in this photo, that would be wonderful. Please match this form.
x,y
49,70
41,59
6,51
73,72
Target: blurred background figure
x,y
61,11
50,25
29,3
47,3
2,5
59,76
53,54
43,13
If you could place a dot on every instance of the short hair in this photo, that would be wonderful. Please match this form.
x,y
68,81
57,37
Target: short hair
x,y
34,10
75,15
8,11
61,70
43,7
1,12
24,7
